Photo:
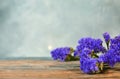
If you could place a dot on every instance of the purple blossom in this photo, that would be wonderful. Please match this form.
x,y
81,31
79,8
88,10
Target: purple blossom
x,y
87,50
76,53
112,56
93,44
86,53
61,53
106,36
115,40
89,65
90,43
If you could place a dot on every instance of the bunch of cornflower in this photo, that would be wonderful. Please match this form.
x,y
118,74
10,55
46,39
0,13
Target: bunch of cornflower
x,y
112,56
63,54
93,44
87,51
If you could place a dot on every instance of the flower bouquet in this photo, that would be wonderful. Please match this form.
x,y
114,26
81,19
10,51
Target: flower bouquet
x,y
91,53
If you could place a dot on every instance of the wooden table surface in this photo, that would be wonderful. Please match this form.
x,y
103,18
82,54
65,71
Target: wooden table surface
x,y
40,69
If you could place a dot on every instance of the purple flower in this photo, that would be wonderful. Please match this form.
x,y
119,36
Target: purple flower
x,y
89,65
87,50
112,56
86,53
90,43
76,53
106,37
61,53
93,44
109,58
115,41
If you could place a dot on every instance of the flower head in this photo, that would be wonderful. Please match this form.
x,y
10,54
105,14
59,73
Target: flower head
x,y
90,43
112,56
93,44
109,58
61,53
86,53
106,36
76,53
89,65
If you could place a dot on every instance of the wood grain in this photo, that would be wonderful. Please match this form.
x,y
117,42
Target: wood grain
x,y
40,69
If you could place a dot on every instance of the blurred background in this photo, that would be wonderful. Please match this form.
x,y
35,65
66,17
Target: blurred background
x,y
32,28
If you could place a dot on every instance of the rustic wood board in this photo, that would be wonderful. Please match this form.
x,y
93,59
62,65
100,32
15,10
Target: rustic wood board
x,y
40,69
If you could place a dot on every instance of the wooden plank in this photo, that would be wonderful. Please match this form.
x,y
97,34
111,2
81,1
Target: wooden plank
x,y
36,69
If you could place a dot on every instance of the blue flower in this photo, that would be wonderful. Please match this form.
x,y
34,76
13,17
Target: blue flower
x,y
112,56
115,41
76,53
106,37
61,53
90,43
87,50
89,65
86,53
93,44
109,58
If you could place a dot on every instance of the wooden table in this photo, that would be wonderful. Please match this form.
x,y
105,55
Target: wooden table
x,y
40,69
